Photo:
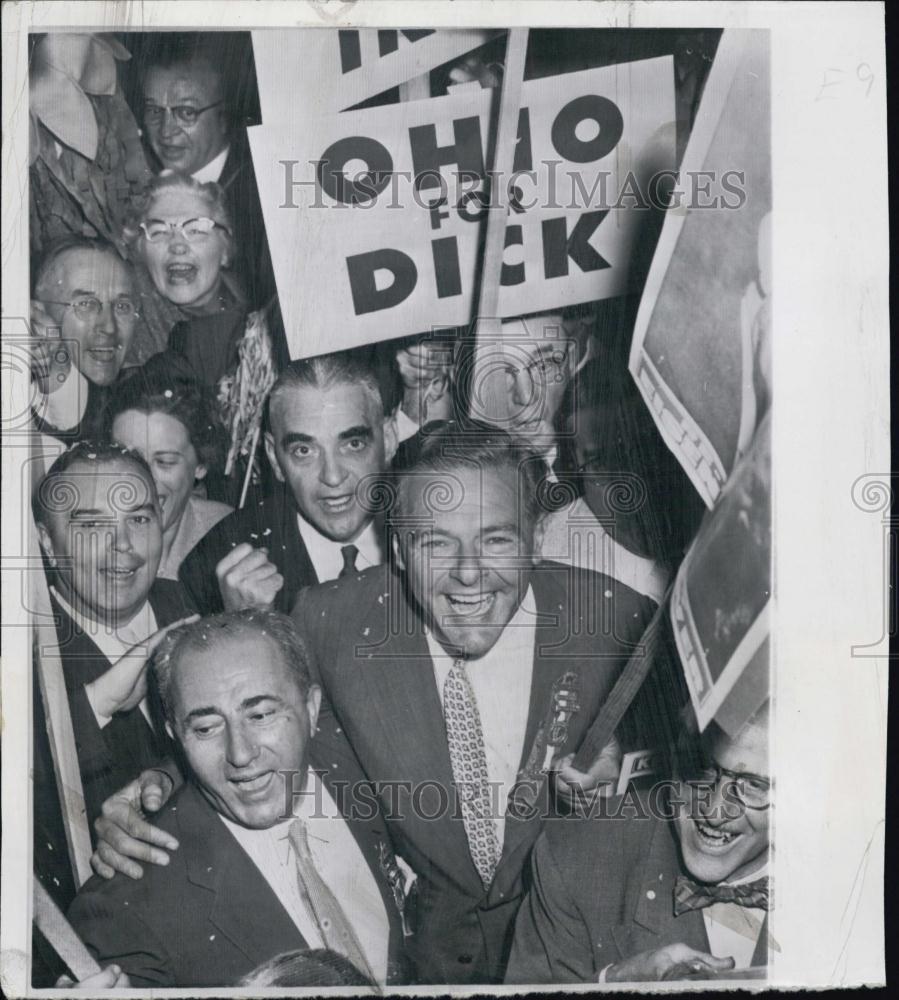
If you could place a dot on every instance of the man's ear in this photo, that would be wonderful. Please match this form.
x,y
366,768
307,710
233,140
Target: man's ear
x,y
391,437
200,472
397,551
313,704
539,535
46,543
273,457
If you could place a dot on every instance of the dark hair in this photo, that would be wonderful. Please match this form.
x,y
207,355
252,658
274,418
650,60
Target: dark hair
x,y
480,445
50,496
67,244
374,366
306,967
185,400
230,625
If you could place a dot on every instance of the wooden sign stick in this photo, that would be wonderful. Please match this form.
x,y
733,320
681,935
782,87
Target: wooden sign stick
x,y
488,328
50,921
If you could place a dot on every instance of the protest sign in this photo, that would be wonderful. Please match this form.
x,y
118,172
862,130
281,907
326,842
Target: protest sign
x,y
721,597
333,70
700,350
382,210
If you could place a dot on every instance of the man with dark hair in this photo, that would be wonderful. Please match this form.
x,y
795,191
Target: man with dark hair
x,y
266,863
99,525
83,315
193,128
459,678
649,897
329,426
462,679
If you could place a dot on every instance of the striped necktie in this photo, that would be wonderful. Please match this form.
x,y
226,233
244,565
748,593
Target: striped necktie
x,y
336,931
469,761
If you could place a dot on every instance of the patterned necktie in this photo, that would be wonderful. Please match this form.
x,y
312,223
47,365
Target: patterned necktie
x,y
690,895
349,553
469,760
336,931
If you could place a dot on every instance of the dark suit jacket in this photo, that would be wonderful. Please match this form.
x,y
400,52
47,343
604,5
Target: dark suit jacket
x,y
110,757
208,917
270,523
602,891
381,696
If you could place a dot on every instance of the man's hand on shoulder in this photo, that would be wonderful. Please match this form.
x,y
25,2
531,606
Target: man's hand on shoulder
x,y
124,835
674,961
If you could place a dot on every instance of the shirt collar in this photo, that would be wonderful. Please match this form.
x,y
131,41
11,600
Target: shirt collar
x,y
113,644
367,541
212,171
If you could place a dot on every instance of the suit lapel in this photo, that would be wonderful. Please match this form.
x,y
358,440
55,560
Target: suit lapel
x,y
266,928
551,630
651,902
398,674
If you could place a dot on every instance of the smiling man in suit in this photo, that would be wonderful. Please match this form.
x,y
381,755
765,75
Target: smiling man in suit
x,y
458,676
329,426
649,896
266,862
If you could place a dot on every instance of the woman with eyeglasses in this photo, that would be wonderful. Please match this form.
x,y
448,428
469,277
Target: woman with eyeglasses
x,y
184,236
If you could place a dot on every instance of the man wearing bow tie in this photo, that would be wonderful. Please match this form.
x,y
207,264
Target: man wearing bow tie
x,y
672,893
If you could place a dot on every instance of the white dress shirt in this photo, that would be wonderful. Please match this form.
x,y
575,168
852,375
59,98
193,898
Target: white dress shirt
x,y
212,171
501,682
733,930
327,559
339,862
114,644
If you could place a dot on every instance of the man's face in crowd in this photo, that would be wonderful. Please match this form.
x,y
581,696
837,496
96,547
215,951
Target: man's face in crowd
x,y
720,838
241,718
107,541
541,360
86,278
164,443
180,147
467,567
323,443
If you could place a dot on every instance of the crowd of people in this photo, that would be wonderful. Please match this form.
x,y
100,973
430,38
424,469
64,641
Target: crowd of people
x,y
327,679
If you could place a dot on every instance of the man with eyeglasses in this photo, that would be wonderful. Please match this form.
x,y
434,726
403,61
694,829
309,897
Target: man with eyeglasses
x,y
83,315
188,122
674,889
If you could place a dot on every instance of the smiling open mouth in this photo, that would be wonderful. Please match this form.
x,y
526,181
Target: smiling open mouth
x,y
102,355
257,783
711,837
119,573
471,605
180,274
337,505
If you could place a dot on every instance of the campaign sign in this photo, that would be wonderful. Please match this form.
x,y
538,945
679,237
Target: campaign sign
x,y
379,213
335,70
701,348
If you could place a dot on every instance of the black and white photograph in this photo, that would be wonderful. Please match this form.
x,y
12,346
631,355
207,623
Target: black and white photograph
x,y
402,533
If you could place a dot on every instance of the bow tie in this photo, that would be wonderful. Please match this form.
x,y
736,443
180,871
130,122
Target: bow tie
x,y
690,895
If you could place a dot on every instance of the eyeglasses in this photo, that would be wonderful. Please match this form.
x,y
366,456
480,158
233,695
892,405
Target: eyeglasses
x,y
193,230
751,790
89,307
184,114
544,368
